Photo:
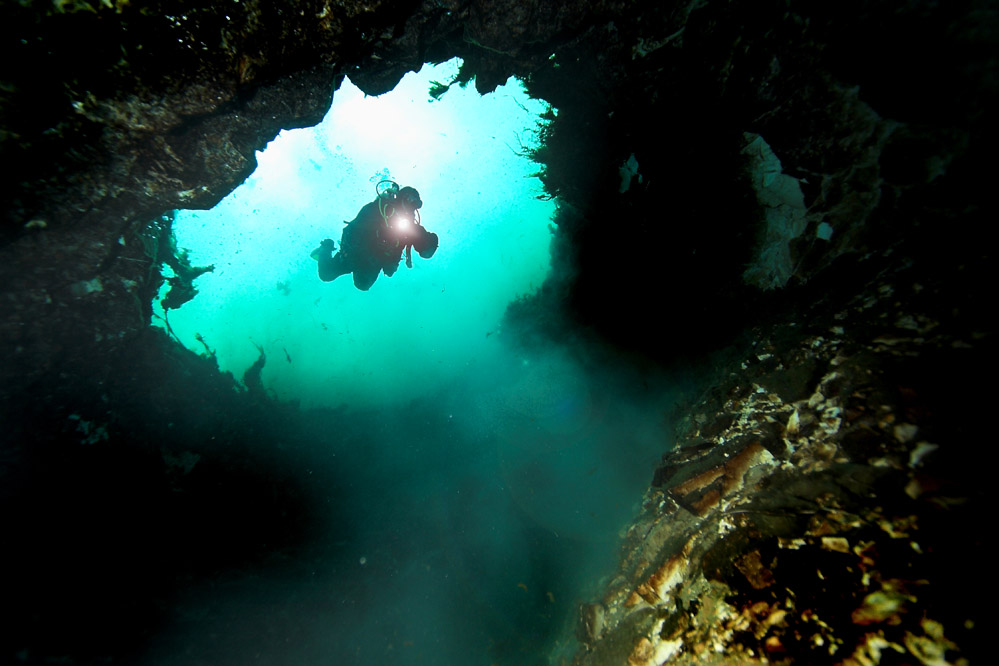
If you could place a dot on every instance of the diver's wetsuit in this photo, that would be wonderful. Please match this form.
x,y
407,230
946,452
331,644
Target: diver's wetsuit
x,y
367,247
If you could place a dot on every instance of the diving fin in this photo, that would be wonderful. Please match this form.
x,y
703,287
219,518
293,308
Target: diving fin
x,y
326,246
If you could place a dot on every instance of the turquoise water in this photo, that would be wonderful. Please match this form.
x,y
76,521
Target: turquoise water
x,y
470,493
409,334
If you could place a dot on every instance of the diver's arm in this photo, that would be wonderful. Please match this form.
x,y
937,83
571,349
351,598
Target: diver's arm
x,y
426,243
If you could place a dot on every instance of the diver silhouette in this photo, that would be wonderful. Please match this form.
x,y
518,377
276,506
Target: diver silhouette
x,y
374,241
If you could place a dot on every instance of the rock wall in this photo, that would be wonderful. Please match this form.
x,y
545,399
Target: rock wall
x,y
821,504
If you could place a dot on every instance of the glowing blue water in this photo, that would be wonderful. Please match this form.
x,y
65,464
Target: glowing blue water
x,y
409,334
475,491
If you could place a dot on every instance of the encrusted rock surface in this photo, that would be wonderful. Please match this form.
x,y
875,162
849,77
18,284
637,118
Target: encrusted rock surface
x,y
822,501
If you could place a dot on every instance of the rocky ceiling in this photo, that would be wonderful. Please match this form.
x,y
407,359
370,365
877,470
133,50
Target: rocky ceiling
x,y
114,113
790,154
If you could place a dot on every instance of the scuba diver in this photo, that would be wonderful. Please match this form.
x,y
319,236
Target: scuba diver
x,y
375,240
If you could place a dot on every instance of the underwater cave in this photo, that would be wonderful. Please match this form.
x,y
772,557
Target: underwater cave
x,y
403,338
696,374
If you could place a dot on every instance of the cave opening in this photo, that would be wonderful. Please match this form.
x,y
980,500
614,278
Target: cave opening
x,y
331,344
482,480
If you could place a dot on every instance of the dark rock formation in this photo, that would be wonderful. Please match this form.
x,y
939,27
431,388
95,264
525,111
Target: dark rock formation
x,y
806,182
820,507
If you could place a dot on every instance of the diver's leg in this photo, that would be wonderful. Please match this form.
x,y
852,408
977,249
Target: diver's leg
x,y
365,277
330,268
390,267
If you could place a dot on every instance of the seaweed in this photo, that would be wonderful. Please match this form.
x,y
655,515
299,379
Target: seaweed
x,y
251,378
437,89
160,246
